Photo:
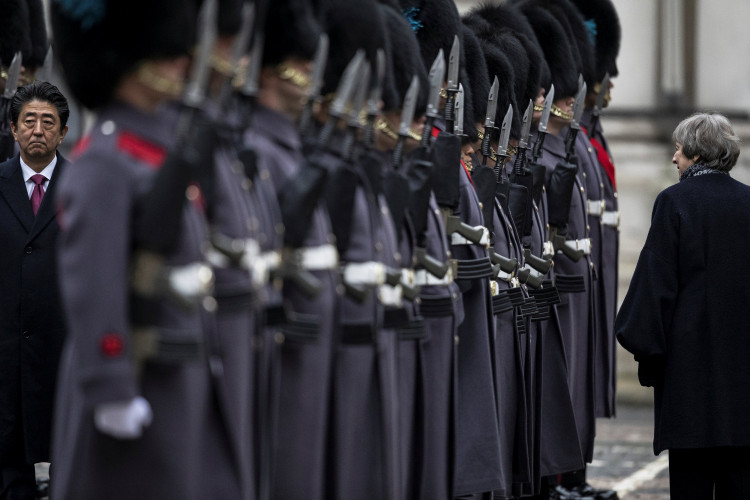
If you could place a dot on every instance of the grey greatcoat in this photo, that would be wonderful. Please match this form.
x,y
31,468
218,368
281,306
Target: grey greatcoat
x,y
184,453
560,449
441,306
299,446
478,461
363,412
32,329
576,309
607,270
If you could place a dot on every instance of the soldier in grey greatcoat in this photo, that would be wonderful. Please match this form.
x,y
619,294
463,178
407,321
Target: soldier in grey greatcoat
x,y
606,45
572,277
363,446
304,350
138,413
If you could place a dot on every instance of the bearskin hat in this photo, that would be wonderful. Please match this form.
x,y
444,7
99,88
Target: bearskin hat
x,y
289,30
603,26
96,45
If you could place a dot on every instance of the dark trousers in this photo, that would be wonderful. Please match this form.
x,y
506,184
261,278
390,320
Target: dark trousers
x,y
17,482
722,473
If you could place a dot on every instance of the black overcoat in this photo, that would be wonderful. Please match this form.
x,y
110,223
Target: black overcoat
x,y
686,313
31,323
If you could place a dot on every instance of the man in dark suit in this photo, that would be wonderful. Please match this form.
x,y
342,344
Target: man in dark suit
x,y
31,323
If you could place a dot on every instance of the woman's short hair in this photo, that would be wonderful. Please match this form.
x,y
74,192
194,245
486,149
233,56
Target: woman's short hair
x,y
711,137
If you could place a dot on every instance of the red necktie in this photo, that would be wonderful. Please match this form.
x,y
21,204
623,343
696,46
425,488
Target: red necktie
x,y
38,193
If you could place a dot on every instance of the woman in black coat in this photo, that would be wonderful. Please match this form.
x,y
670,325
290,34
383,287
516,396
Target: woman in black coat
x,y
686,315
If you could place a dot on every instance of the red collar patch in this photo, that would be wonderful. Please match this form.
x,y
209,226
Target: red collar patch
x,y
149,153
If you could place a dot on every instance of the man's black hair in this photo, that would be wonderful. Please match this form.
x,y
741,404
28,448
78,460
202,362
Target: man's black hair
x,y
39,91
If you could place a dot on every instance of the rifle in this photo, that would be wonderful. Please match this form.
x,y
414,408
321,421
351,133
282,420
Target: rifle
x,y
451,86
521,206
158,214
561,184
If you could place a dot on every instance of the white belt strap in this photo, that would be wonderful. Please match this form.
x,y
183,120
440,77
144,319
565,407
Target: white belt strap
x,y
389,295
320,258
584,244
548,249
407,276
364,273
611,218
595,207
424,278
457,239
502,275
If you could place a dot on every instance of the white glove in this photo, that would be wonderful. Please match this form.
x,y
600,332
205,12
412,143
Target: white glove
x,y
123,419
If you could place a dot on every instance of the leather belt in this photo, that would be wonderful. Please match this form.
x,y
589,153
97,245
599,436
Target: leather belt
x,y
301,327
457,239
595,207
611,218
474,268
435,307
501,303
165,346
584,244
573,283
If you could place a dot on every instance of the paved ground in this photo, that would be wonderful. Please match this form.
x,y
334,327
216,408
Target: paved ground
x,y
624,459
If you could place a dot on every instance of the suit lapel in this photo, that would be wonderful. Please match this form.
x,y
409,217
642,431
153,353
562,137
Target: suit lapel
x,y
46,212
13,191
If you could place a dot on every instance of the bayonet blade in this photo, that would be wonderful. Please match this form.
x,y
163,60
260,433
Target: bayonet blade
x,y
601,95
243,36
373,101
453,65
347,84
544,120
437,75
523,142
458,127
250,87
578,107
319,65
14,75
195,90
489,120
44,73
407,110
502,144
358,101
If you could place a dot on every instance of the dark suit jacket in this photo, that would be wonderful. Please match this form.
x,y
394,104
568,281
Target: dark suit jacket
x,y
31,322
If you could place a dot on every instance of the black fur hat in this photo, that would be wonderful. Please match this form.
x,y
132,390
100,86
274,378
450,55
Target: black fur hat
x,y
97,46
556,47
37,35
506,18
506,59
404,61
351,25
436,23
14,32
604,30
476,83
572,21
290,30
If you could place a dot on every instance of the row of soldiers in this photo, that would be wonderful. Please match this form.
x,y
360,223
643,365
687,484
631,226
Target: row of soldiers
x,y
335,249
